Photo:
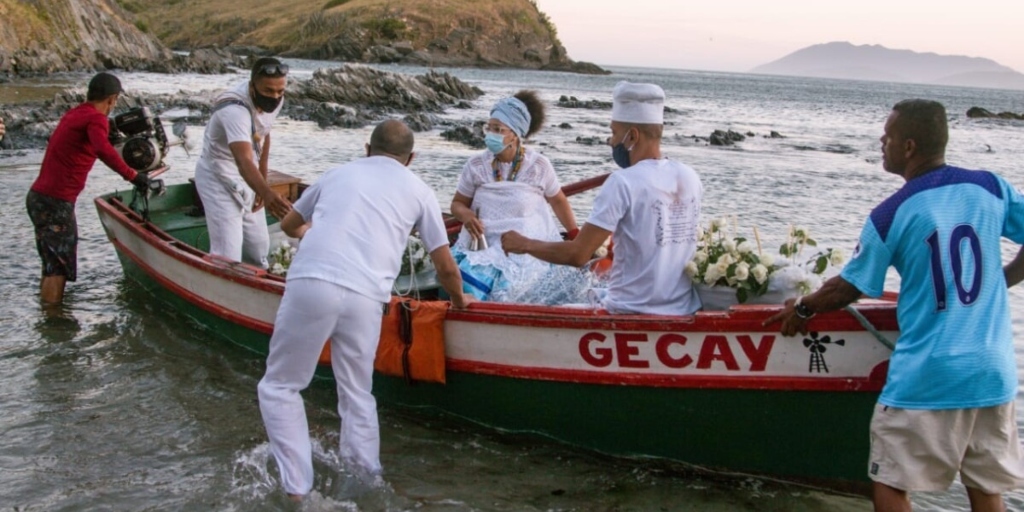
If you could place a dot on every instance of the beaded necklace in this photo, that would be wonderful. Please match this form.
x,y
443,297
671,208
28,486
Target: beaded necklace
x,y
517,163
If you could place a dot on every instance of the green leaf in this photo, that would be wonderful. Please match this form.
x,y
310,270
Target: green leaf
x,y
741,295
761,289
811,242
821,265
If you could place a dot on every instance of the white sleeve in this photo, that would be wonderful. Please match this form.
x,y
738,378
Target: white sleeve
x,y
237,123
467,180
431,225
307,203
610,205
548,180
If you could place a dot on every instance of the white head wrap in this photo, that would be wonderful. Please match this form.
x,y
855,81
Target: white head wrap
x,y
638,103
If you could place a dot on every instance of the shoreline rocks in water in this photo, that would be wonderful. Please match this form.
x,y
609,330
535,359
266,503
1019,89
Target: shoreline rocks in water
x,y
471,135
351,96
980,113
573,102
725,138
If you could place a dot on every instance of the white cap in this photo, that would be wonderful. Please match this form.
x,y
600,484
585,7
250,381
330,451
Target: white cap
x,y
638,103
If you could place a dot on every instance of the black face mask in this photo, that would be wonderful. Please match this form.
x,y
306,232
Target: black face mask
x,y
265,103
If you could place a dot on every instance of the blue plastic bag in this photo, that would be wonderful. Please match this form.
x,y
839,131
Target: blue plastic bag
x,y
478,280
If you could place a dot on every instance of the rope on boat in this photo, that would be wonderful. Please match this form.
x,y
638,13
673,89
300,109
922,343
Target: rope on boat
x,y
870,328
141,210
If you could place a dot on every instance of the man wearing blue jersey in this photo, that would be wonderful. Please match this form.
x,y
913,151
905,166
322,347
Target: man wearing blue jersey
x,y
948,402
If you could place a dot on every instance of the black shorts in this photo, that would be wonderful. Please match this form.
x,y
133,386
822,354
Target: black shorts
x,y
56,234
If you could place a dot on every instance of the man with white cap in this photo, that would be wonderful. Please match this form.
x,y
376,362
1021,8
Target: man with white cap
x,y
651,207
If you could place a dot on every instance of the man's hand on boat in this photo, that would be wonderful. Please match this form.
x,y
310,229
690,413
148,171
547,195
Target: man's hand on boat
x,y
836,293
463,302
450,277
791,322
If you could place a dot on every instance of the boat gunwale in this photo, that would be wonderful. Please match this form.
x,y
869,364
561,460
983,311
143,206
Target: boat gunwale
x,y
747,318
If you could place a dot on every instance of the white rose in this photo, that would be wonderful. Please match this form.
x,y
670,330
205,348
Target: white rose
x,y
691,269
729,245
712,275
723,264
767,259
745,247
284,245
277,269
760,273
838,258
700,257
717,224
601,252
742,272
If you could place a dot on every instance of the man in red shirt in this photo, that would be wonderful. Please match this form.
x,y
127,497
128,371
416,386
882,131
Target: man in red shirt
x,y
80,138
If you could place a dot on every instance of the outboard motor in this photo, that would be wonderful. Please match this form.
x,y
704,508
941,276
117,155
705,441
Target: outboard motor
x,y
140,138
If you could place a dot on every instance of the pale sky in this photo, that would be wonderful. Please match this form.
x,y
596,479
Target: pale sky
x,y
738,35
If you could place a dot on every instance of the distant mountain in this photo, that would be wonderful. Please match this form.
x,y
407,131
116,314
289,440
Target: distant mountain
x,y
874,62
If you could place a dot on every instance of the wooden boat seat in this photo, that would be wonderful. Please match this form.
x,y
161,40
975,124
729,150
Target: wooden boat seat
x,y
283,183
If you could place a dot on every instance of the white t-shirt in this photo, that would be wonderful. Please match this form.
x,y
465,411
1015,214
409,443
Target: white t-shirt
x,y
653,211
536,171
233,123
363,213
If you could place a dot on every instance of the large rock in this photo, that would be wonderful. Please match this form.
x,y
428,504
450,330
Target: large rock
x,y
725,138
48,36
471,135
978,112
573,102
382,90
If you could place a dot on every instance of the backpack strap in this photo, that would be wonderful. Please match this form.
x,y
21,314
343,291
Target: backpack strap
x,y
252,121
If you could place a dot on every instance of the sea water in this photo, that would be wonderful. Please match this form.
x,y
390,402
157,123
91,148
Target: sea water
x,y
117,403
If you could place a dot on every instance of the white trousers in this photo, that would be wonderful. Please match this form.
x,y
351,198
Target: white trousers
x,y
236,232
311,311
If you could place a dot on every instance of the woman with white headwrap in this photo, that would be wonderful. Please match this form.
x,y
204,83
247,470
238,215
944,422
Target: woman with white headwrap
x,y
509,187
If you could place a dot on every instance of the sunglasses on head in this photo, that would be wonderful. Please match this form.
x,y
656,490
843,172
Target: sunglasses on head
x,y
272,70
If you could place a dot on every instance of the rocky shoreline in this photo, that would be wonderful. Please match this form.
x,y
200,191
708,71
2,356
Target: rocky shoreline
x,y
351,96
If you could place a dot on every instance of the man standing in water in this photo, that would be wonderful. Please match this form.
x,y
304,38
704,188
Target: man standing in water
x,y
80,138
948,403
337,286
652,206
231,174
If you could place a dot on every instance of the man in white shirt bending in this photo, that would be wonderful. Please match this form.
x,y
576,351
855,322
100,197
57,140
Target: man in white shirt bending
x,y
231,174
354,223
651,207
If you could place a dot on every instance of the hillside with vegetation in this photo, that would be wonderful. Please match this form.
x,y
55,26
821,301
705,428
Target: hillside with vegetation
x,y
46,36
478,33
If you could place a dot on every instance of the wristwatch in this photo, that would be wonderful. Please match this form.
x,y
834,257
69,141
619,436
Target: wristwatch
x,y
801,309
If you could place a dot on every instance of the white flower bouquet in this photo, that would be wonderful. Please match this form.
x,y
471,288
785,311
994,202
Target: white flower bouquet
x,y
732,269
280,258
415,258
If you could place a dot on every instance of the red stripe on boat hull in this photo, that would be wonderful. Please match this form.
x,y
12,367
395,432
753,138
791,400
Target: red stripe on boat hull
x,y
873,383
